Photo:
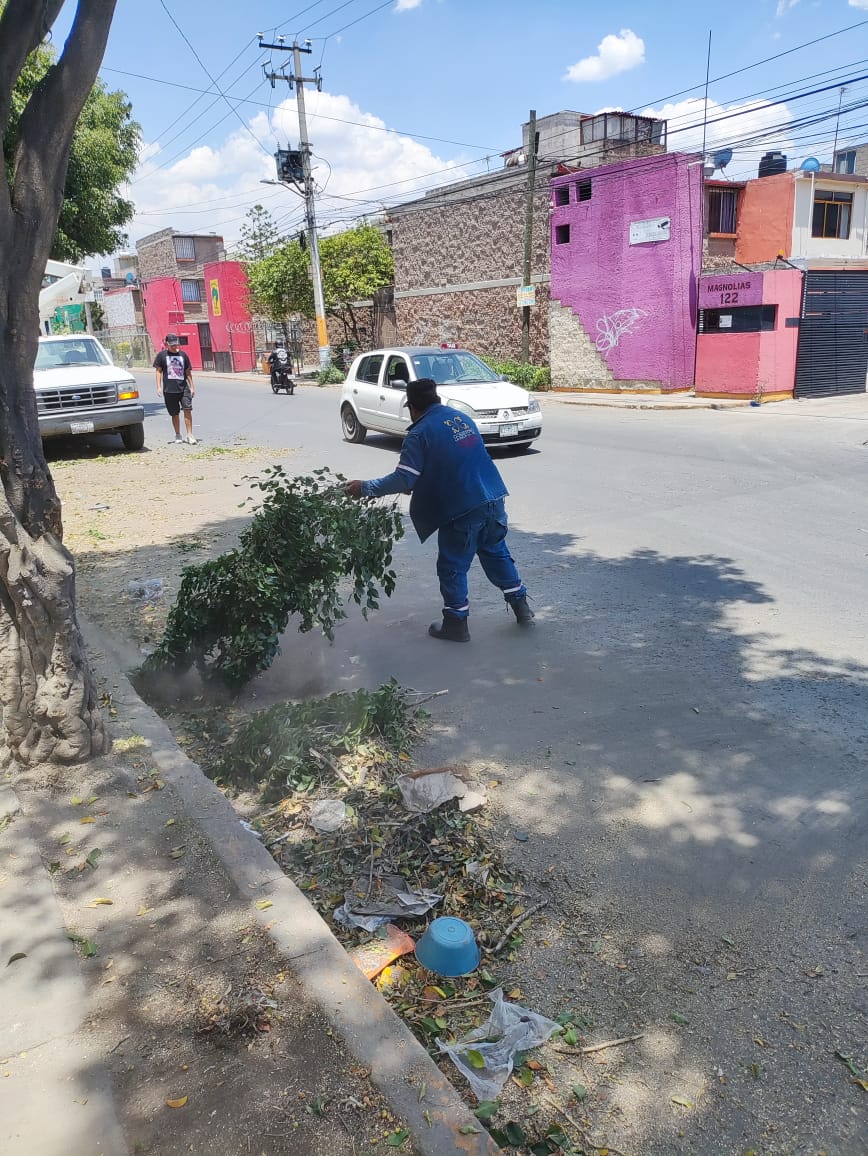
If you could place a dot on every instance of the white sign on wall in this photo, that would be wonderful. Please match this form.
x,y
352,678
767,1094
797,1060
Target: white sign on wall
x,y
525,295
643,232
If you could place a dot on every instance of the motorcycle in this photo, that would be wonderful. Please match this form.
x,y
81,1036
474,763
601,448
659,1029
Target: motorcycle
x,y
281,377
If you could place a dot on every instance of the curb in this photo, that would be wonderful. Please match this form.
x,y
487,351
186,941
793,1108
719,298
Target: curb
x,y
659,405
401,1069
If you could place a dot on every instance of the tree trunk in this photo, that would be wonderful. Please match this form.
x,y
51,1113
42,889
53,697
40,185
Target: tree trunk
x,y
47,692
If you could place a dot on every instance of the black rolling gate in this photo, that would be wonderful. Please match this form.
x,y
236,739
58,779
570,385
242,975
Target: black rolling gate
x,y
833,334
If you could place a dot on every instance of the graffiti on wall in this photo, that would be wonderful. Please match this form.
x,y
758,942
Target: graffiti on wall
x,y
612,327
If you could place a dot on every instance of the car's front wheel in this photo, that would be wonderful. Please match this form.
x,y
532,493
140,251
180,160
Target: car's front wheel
x,y
353,429
133,437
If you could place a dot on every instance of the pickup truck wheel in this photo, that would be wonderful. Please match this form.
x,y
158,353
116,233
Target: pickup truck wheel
x,y
133,437
353,429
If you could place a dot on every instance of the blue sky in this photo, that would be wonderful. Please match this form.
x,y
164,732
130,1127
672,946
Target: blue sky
x,y
421,92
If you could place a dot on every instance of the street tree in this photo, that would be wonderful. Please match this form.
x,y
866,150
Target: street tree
x,y
260,236
47,692
280,284
355,264
103,155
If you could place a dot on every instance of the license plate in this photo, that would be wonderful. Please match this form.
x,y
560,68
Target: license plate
x,y
508,431
81,427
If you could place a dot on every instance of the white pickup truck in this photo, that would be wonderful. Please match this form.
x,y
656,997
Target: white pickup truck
x,y
80,391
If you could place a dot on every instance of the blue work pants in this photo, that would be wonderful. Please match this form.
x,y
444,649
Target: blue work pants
x,y
480,533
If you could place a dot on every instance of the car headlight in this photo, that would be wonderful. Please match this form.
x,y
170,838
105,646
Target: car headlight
x,y
532,404
462,407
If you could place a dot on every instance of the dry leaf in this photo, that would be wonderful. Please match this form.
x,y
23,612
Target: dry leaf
x,y
101,902
144,910
263,904
681,1101
87,819
177,852
176,1103
863,1084
76,801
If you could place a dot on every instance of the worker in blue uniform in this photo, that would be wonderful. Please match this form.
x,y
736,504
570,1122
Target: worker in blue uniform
x,y
456,490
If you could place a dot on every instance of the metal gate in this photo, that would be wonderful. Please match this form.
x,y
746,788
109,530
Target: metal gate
x,y
833,334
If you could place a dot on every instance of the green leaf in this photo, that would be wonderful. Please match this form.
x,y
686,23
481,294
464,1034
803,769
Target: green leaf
x,y
515,1133
396,1139
525,1077
475,1059
679,1018
571,1037
469,1130
93,858
486,1109
580,1092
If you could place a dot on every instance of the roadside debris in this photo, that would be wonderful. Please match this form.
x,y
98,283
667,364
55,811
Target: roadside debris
x,y
486,1055
371,903
149,589
424,791
373,957
328,815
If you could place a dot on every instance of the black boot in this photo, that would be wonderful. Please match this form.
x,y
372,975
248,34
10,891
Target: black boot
x,y
524,616
453,629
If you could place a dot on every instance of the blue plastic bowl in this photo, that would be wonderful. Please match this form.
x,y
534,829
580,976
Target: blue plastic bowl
x,y
448,947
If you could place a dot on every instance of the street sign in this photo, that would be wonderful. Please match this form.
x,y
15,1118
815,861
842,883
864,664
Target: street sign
x,y
643,232
525,295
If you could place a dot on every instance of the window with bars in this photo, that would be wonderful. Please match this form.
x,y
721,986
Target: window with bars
x,y
191,290
722,211
583,191
185,248
845,162
562,195
832,214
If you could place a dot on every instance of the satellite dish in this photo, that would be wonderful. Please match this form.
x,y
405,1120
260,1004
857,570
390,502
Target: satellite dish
x,y
810,165
722,158
130,278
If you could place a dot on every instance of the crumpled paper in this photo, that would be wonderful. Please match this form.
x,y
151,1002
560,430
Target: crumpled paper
x,y
390,898
328,815
509,1029
424,791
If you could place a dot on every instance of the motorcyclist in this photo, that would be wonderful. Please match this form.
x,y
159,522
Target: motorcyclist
x,y
280,361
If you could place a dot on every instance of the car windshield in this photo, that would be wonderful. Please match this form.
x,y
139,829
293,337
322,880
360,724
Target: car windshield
x,y
453,367
70,351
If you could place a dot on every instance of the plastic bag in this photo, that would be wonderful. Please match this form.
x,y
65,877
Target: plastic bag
x,y
509,1029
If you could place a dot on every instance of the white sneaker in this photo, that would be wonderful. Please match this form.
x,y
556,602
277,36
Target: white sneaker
x,y
191,441
177,440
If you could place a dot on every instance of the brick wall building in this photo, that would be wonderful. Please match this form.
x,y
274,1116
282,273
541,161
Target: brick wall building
x,y
459,250
182,256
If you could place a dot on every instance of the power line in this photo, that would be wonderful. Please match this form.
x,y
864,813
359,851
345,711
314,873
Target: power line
x,y
204,68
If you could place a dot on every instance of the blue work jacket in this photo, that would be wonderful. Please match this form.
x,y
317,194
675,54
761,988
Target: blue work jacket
x,y
445,466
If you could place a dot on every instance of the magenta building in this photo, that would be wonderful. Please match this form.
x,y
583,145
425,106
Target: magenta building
x,y
626,254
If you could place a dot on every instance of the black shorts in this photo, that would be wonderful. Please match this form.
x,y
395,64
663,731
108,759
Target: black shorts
x,y
175,402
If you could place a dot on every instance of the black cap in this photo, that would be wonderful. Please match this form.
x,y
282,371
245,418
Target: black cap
x,y
172,339
422,393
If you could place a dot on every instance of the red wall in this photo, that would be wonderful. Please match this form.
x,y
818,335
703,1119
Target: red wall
x,y
765,219
751,365
231,301
161,302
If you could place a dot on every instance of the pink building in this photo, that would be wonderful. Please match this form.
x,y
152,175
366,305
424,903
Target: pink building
x,y
232,337
626,253
748,334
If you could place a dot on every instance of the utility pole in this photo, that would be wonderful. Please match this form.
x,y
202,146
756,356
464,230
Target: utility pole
x,y
528,236
298,81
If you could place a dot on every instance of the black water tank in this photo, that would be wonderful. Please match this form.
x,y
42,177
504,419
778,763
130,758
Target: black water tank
x,y
772,163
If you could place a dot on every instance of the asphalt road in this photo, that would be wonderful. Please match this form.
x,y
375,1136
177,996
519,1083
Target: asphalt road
x,y
684,730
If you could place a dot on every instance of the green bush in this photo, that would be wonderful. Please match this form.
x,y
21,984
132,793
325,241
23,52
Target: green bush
x,y
302,542
331,375
533,377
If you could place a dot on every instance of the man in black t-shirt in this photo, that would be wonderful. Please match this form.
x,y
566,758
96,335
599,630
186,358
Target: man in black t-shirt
x,y
175,386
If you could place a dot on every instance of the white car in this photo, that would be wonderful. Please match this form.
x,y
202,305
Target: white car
x,y
80,391
374,397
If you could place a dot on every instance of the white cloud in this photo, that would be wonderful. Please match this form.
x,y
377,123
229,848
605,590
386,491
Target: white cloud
x,y
752,119
785,5
859,3
358,167
614,54
406,5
